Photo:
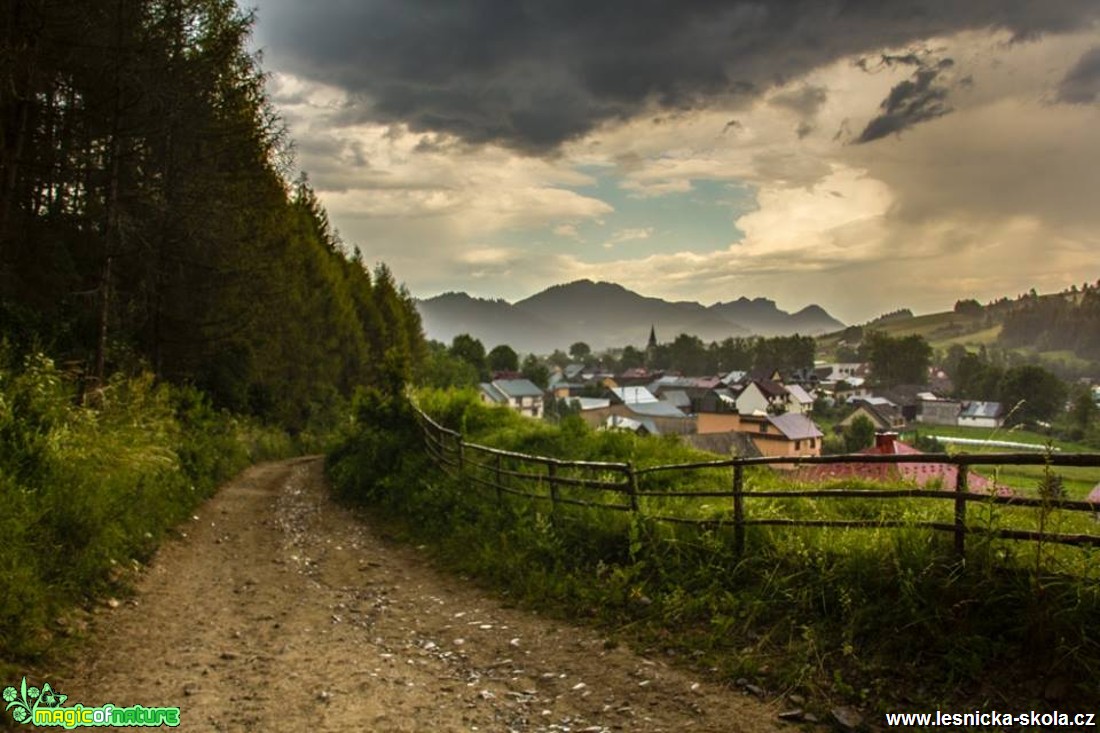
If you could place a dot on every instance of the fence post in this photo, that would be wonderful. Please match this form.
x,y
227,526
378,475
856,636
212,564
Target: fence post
x,y
961,477
499,481
551,473
632,478
461,453
739,509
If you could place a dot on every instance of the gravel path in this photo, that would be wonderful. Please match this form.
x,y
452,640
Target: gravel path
x,y
275,609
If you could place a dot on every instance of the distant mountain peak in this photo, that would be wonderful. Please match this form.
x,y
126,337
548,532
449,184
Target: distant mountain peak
x,y
606,314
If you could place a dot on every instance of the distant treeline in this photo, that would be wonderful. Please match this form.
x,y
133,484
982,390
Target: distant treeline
x,y
146,217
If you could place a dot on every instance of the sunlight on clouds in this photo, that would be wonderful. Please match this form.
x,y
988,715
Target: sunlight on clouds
x,y
817,223
999,192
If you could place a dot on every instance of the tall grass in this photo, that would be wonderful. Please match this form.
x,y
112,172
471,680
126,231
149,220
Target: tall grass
x,y
885,617
85,492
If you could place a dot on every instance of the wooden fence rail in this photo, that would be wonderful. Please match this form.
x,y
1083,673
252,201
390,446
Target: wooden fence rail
x,y
617,487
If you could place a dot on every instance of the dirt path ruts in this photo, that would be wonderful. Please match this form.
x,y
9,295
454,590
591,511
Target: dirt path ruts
x,y
278,610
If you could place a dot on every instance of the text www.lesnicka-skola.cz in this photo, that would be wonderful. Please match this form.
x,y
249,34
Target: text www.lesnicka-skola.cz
x,y
993,719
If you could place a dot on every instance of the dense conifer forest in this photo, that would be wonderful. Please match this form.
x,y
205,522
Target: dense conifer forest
x,y
150,217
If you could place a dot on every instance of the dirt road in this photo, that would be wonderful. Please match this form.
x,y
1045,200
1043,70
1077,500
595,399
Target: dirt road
x,y
278,610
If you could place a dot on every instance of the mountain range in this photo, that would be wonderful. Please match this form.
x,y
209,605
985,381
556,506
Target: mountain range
x,y
607,315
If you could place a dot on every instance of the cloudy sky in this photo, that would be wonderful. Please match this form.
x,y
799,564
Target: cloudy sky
x,y
864,155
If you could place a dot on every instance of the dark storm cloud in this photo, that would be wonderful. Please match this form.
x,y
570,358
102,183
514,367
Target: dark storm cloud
x,y
912,101
1082,84
532,75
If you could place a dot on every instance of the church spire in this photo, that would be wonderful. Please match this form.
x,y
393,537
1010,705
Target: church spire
x,y
652,338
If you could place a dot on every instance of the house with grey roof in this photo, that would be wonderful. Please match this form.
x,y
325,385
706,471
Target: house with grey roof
x,y
679,399
631,395
522,395
657,416
982,415
883,413
790,434
799,400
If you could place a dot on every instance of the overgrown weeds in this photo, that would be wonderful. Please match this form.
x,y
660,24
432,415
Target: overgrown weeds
x,y
87,493
886,617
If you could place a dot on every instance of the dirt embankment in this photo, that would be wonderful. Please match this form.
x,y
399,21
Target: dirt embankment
x,y
277,610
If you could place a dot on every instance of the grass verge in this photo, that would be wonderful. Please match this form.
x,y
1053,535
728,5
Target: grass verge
x,y
885,618
87,494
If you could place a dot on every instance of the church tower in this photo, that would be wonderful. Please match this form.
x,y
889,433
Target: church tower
x,y
651,346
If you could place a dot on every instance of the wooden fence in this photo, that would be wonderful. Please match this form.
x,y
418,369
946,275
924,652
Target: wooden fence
x,y
619,487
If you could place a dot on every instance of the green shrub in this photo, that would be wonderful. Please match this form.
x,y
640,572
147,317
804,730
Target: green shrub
x,y
84,492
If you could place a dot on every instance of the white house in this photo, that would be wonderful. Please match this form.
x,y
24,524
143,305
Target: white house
x,y
799,401
522,395
981,415
761,394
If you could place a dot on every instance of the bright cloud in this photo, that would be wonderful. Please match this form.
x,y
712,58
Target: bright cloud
x,y
981,183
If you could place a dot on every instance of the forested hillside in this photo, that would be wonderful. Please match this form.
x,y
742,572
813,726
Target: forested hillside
x,y
147,218
1069,322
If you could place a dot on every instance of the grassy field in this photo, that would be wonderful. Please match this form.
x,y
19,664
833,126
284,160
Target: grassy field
x,y
1078,482
941,330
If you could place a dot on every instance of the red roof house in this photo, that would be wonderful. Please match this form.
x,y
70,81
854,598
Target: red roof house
x,y
942,475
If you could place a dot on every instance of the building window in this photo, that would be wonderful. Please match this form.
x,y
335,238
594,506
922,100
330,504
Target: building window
x,y
798,445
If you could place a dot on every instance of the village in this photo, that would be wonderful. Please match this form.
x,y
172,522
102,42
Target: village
x,y
756,413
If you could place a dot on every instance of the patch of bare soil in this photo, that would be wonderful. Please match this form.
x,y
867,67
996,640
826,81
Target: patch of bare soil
x,y
276,609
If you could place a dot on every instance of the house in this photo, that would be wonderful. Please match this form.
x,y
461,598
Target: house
x,y
762,396
805,378
638,427
718,412
830,374
982,415
679,399
521,395
853,389
734,377
937,411
765,375
584,404
905,396
631,395
696,388
573,371
636,376
882,413
788,435
657,416
931,474
667,419
799,400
